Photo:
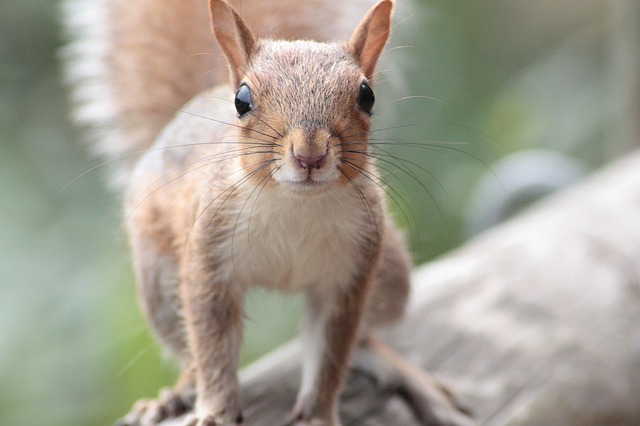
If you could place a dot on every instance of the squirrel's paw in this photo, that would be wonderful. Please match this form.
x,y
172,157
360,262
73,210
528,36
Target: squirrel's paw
x,y
313,422
195,420
432,403
299,421
170,404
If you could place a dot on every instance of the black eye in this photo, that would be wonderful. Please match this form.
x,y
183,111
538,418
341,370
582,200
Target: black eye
x,y
243,100
366,98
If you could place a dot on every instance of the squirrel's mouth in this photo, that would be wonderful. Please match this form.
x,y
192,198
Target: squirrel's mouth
x,y
309,184
305,180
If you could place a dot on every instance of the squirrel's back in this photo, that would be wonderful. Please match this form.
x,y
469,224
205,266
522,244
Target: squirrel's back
x,y
133,63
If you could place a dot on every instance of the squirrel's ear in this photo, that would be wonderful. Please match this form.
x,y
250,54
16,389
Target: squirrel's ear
x,y
234,37
368,40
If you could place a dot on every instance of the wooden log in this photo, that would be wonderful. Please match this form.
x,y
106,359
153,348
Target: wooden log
x,y
536,322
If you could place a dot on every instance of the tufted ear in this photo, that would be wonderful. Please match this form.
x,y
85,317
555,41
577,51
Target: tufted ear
x,y
369,38
234,37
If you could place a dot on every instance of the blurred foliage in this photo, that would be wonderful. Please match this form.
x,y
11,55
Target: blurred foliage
x,y
481,80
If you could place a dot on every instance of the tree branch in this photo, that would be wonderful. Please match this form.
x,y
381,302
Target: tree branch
x,y
534,322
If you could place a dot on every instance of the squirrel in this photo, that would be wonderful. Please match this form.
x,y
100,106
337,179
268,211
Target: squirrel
x,y
262,181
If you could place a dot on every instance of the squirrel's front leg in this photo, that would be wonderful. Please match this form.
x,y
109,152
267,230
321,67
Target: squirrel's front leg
x,y
213,319
330,332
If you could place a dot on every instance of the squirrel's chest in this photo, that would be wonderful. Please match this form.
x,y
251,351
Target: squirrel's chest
x,y
291,244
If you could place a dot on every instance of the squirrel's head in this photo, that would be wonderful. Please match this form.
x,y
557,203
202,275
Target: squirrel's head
x,y
304,108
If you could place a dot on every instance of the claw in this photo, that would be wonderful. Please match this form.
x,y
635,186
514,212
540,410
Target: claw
x,y
170,404
432,403
194,420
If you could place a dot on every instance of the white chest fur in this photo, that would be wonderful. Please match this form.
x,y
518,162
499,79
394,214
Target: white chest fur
x,y
290,241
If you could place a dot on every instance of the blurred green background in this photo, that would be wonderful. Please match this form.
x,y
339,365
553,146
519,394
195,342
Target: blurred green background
x,y
481,81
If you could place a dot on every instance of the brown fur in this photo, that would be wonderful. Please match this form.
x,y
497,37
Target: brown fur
x,y
134,63
300,159
178,224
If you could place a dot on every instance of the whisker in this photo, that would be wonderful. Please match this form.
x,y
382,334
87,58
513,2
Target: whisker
x,y
404,98
428,146
389,191
156,148
206,162
376,145
237,126
193,114
229,192
270,176
266,124
384,154
435,123
370,213
259,187
235,186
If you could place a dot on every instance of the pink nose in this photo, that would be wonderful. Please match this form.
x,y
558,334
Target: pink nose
x,y
310,161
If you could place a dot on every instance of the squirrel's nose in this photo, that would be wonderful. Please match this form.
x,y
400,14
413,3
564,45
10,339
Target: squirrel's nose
x,y
310,161
309,147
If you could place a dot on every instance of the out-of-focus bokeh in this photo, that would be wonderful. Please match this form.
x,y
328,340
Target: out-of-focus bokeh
x,y
485,106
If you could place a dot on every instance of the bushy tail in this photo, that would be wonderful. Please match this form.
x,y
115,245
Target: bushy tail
x,y
133,63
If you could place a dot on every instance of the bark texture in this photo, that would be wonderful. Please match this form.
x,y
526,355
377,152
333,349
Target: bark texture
x,y
536,322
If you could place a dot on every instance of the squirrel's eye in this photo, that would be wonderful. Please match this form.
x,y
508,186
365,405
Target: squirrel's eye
x,y
366,98
243,100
